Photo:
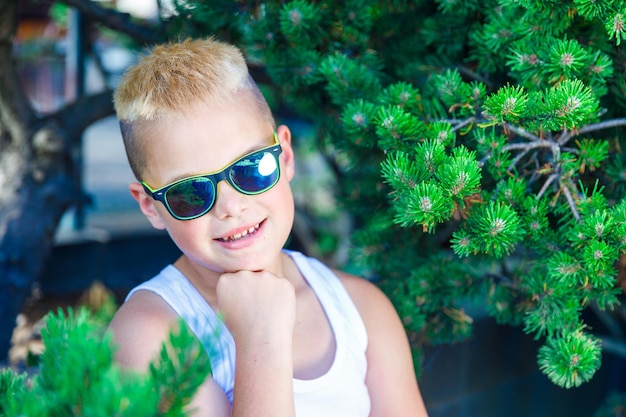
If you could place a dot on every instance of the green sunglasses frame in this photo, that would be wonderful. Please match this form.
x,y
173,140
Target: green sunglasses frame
x,y
215,178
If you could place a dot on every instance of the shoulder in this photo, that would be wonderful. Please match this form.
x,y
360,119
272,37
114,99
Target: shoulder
x,y
140,327
368,298
146,307
379,315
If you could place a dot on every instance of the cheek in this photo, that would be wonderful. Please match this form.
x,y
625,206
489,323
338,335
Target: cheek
x,y
282,200
187,235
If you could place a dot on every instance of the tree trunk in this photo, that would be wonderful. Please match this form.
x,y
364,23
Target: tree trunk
x,y
37,172
35,183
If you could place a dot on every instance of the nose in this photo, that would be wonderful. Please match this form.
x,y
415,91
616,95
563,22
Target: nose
x,y
229,202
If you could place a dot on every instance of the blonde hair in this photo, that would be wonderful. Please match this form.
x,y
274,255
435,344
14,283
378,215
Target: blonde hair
x,y
178,78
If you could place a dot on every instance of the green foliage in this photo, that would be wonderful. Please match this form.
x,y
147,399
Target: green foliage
x,y
492,229
486,134
11,386
78,377
179,372
570,360
432,186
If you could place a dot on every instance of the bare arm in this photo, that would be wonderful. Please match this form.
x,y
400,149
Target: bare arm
x,y
139,329
391,381
259,311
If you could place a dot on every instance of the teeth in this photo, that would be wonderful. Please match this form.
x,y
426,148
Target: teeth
x,y
242,234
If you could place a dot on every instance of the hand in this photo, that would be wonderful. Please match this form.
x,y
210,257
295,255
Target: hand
x,y
259,307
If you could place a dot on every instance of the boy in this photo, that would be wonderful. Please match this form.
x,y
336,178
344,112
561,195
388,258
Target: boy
x,y
309,341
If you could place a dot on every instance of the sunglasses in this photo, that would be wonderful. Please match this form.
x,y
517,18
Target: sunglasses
x,y
192,197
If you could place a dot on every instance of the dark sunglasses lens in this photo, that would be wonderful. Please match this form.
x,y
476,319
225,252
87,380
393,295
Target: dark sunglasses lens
x,y
256,173
191,198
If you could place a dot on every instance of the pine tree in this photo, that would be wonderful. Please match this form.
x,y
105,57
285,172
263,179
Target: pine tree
x,y
477,146
77,376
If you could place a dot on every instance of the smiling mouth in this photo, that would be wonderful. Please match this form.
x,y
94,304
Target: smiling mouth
x,y
240,235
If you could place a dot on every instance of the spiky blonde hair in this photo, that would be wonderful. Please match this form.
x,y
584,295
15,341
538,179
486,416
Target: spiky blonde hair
x,y
181,75
176,79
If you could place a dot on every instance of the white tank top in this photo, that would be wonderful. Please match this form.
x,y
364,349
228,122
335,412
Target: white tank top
x,y
339,392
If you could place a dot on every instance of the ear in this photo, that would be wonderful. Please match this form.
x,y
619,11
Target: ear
x,y
147,205
284,137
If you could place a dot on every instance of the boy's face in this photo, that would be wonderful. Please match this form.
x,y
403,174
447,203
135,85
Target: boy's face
x,y
240,232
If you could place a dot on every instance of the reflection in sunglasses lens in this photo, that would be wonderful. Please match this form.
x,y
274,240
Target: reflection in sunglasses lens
x,y
257,175
191,197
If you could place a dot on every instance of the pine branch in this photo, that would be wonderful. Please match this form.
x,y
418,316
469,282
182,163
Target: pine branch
x,y
458,125
534,161
571,150
568,135
521,132
545,186
517,159
570,202
526,147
